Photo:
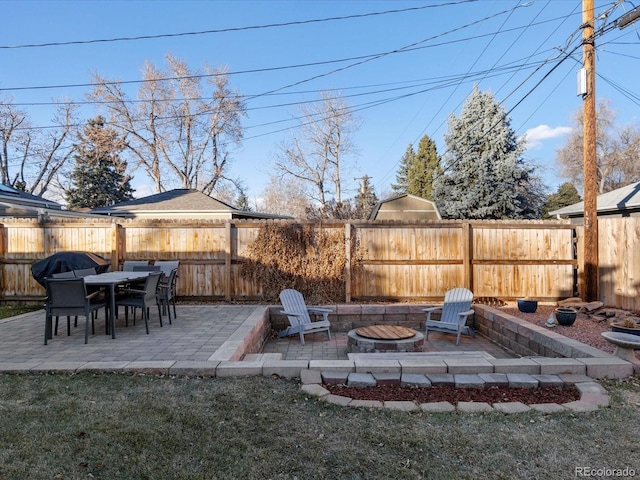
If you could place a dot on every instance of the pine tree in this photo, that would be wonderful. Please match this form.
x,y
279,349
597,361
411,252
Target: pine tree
x,y
402,176
365,200
99,176
243,202
422,170
486,177
567,194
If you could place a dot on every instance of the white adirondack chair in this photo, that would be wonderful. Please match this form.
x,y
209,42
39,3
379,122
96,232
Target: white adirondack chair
x,y
298,314
455,311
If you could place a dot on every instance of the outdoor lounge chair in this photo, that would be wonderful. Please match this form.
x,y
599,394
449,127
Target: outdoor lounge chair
x,y
455,311
298,314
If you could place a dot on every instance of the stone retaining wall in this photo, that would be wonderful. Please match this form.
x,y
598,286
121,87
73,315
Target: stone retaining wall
x,y
515,334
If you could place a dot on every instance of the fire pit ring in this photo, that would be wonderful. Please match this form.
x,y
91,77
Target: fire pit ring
x,y
384,338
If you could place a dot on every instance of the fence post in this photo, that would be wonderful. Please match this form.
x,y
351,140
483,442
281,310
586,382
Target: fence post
x,y
467,254
347,262
227,262
2,255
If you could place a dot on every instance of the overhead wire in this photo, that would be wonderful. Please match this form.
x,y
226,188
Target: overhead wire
x,y
235,29
362,106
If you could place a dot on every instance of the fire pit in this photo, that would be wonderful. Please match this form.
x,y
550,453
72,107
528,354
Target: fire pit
x,y
384,338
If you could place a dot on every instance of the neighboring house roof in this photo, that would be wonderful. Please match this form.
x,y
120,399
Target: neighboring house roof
x,y
624,200
405,207
12,196
18,204
178,203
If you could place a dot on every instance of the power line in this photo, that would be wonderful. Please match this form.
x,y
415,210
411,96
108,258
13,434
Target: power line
x,y
234,29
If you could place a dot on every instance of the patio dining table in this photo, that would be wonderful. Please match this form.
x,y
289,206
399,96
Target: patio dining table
x,y
110,280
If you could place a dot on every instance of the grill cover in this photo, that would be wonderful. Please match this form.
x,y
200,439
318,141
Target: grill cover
x,y
65,262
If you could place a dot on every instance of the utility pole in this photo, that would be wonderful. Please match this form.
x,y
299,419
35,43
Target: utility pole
x,y
589,155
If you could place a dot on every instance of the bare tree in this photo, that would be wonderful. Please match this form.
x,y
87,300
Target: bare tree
x,y
617,151
318,151
284,196
32,157
183,125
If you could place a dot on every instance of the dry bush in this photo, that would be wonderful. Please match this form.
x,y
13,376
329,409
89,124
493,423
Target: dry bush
x,y
308,258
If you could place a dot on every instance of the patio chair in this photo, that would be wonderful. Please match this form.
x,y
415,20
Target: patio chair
x,y
128,265
167,265
142,298
68,297
455,311
298,314
167,293
69,274
85,272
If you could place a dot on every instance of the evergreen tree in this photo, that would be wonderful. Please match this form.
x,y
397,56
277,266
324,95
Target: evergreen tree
x,y
423,169
486,177
99,176
402,176
567,194
365,200
243,202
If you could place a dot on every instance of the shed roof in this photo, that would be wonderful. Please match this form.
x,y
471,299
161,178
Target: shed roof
x,y
405,207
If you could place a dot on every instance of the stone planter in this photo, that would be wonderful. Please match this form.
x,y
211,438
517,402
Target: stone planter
x,y
566,316
527,306
618,327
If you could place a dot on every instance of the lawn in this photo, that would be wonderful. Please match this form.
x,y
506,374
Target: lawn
x,y
11,310
121,426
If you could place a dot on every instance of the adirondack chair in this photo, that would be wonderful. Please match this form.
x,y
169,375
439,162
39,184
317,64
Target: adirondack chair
x,y
298,314
455,311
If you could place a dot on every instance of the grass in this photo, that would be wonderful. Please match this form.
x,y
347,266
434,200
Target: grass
x,y
120,426
11,310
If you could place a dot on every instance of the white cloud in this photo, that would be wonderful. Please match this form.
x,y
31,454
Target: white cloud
x,y
536,135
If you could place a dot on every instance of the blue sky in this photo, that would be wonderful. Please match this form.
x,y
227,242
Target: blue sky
x,y
421,63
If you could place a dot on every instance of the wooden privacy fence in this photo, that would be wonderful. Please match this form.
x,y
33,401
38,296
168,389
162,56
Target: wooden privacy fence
x,y
384,261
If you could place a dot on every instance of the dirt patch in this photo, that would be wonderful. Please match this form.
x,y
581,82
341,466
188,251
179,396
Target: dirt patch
x,y
453,395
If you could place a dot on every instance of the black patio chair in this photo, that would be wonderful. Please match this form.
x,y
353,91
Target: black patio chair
x,y
167,294
142,298
68,297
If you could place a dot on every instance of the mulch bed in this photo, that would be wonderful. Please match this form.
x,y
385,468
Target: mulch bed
x,y
451,394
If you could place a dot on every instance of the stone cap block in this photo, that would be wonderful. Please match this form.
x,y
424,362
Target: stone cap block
x,y
377,366
555,366
511,407
414,380
284,368
515,365
521,380
392,379
441,378
549,380
468,380
468,365
310,376
334,365
334,378
494,379
239,369
361,380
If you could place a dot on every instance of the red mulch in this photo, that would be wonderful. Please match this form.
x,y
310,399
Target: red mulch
x,y
443,393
